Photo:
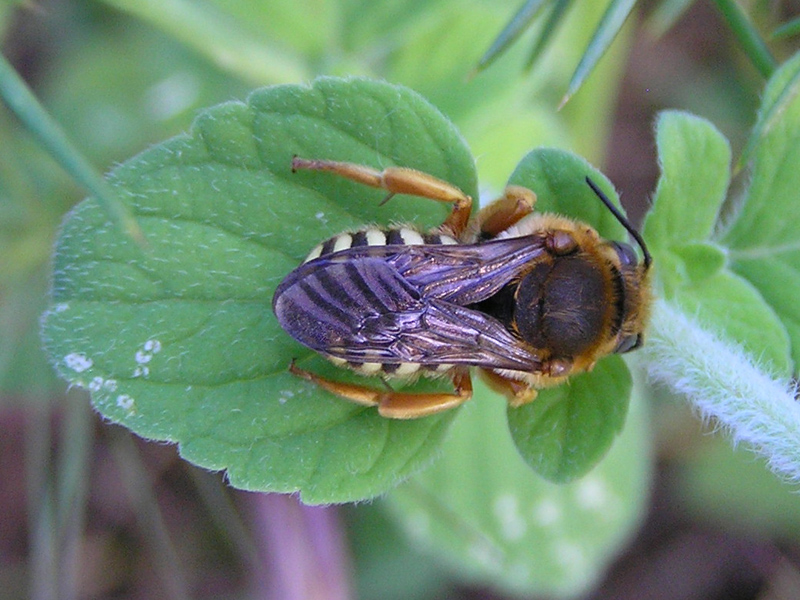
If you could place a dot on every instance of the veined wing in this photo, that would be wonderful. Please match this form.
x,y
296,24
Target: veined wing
x,y
364,309
462,274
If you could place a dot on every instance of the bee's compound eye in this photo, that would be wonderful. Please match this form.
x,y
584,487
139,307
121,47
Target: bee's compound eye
x,y
627,255
628,343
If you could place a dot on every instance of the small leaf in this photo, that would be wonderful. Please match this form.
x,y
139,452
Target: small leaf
x,y
179,343
733,307
567,430
695,164
695,172
559,180
771,110
481,508
763,237
700,261
610,25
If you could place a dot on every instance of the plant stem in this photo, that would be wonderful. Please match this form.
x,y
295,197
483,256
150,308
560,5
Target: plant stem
x,y
726,385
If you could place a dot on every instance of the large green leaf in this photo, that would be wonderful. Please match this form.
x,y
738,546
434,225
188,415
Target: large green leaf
x,y
177,341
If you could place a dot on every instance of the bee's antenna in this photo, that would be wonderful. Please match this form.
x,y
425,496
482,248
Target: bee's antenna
x,y
623,220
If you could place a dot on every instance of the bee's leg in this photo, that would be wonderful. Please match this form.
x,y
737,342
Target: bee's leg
x,y
399,405
391,404
517,392
401,180
515,203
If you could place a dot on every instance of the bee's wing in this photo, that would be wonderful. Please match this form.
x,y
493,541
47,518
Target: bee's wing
x,y
365,308
466,274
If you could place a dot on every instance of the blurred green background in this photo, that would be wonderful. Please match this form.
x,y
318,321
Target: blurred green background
x,y
91,512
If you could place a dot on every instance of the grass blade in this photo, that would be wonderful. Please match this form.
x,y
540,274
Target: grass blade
x,y
549,29
518,24
788,29
608,28
665,16
750,40
24,104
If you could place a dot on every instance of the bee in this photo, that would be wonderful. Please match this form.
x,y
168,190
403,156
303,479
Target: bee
x,y
529,298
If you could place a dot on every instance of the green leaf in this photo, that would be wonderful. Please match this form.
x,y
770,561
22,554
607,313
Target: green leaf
x,y
179,343
665,15
734,308
772,109
483,512
788,29
558,178
21,100
695,164
763,239
695,172
699,261
548,30
567,430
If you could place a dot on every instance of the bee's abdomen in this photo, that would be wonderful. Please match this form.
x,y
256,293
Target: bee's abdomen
x,y
372,236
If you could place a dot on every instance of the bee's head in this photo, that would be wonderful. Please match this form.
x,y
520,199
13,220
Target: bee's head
x,y
633,297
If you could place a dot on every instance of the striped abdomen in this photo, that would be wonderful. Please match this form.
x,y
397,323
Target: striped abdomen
x,y
402,236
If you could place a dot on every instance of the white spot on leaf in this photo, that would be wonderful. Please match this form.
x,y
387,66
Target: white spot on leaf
x,y
143,357
78,362
153,346
125,402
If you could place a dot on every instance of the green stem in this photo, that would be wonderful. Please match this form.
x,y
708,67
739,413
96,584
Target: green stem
x,y
752,43
24,104
726,386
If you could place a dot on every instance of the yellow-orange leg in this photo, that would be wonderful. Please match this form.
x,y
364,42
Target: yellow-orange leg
x,y
516,392
391,404
515,203
401,180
